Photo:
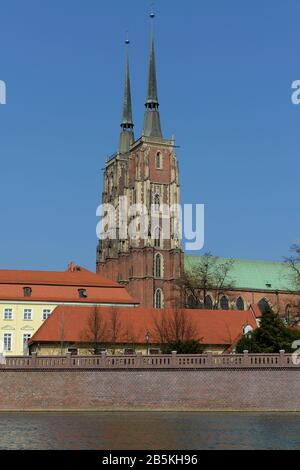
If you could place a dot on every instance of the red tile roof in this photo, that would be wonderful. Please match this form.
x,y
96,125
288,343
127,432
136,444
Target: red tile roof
x,y
56,278
256,310
62,286
212,327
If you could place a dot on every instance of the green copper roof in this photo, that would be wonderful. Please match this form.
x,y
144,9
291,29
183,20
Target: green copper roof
x,y
255,274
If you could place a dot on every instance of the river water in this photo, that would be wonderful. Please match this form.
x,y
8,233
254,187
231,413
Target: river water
x,y
149,430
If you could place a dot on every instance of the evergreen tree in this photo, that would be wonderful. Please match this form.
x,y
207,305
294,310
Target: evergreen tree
x,y
270,337
191,346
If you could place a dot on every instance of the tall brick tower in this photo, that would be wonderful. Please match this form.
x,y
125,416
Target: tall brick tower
x,y
145,171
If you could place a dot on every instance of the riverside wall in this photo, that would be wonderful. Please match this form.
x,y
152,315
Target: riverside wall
x,y
199,382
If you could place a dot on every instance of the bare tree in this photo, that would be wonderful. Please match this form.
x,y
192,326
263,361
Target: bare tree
x,y
129,335
174,326
114,328
209,275
62,331
294,263
95,331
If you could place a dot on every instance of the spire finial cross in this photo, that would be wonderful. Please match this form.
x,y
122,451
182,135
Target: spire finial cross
x,y
152,16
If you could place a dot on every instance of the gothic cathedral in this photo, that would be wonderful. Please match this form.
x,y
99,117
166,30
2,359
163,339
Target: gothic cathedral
x,y
145,171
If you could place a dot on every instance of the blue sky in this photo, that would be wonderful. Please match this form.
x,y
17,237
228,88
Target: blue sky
x,y
224,74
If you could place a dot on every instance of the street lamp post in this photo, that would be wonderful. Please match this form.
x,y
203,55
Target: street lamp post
x,y
249,338
147,338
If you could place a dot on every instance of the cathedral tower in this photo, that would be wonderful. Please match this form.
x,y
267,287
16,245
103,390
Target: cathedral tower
x,y
145,171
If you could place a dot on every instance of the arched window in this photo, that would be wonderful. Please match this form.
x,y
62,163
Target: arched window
x,y
157,237
208,303
158,298
158,161
298,317
192,302
224,304
157,202
240,305
158,265
263,305
287,314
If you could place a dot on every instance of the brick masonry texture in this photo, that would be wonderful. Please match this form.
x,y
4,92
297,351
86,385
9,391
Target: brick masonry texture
x,y
218,389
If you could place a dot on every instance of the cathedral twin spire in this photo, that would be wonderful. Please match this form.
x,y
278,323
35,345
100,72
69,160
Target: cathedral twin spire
x,y
151,127
126,135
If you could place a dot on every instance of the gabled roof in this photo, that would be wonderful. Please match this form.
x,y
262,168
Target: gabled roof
x,y
62,286
256,310
212,327
255,274
77,276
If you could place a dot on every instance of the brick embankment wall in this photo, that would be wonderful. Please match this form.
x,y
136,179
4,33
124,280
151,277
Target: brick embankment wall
x,y
217,389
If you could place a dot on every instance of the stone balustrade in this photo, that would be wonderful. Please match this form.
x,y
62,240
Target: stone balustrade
x,y
167,361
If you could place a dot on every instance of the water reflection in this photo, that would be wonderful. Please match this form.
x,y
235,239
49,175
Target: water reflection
x,y
145,430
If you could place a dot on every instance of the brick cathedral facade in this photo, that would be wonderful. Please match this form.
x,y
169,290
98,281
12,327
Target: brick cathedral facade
x,y
145,171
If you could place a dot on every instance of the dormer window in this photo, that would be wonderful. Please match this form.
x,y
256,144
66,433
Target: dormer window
x,y
82,293
27,291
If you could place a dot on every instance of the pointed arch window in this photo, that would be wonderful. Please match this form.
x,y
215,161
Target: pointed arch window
x,y
298,317
158,265
287,314
158,298
192,302
157,237
208,303
224,303
240,304
263,305
158,161
157,202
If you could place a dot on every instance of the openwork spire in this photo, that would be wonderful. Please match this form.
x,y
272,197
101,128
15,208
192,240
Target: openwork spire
x,y
152,127
126,136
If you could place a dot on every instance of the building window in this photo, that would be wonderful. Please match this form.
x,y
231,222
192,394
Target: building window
x,y
73,350
158,161
26,338
208,303
157,237
8,314
240,305
158,298
157,202
27,291
129,351
158,266
224,304
46,313
27,314
287,314
82,293
154,351
192,302
7,340
263,305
